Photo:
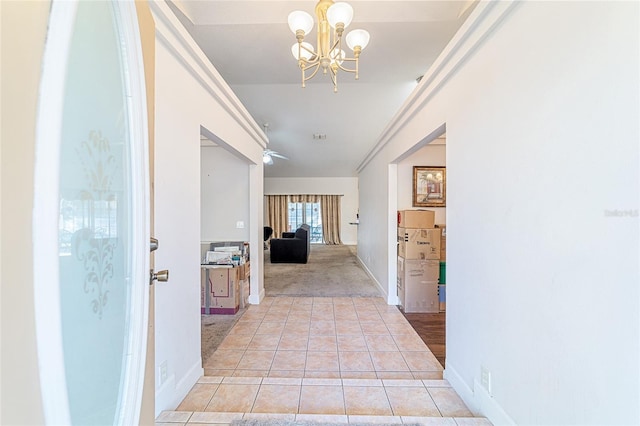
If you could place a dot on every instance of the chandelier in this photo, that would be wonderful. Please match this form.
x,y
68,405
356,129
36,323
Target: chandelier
x,y
328,54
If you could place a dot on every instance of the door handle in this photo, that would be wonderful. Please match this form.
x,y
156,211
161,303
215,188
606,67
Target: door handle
x,y
162,276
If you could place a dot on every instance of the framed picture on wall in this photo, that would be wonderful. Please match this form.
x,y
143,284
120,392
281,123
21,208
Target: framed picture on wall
x,y
429,186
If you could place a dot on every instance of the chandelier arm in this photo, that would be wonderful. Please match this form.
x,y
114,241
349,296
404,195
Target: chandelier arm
x,y
355,70
337,44
317,67
313,55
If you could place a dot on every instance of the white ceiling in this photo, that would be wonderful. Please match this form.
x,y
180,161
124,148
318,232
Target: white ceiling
x,y
249,43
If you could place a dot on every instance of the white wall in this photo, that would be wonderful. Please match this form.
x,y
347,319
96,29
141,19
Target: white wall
x,y
541,106
224,195
346,186
190,94
429,155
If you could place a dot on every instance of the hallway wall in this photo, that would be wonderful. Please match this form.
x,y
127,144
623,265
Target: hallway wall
x,y
541,105
190,94
222,202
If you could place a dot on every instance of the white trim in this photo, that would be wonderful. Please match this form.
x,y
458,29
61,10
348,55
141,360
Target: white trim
x,y
482,21
172,34
462,389
392,234
256,222
489,407
170,394
373,278
477,399
255,299
52,375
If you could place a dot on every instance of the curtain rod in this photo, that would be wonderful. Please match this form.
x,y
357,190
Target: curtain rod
x,y
297,193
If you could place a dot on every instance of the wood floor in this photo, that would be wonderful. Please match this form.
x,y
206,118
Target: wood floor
x,y
431,328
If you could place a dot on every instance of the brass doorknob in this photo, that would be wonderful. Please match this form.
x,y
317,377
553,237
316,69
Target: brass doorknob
x,y
159,276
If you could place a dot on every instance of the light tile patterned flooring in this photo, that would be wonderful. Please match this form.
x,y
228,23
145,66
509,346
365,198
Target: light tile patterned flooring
x,y
309,357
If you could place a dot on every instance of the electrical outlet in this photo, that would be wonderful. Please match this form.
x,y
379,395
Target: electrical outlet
x,y
163,372
485,378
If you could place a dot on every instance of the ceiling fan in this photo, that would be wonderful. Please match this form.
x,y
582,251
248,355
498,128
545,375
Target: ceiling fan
x,y
268,155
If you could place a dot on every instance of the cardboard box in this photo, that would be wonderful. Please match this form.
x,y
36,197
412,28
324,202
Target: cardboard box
x,y
244,270
219,292
443,241
416,294
424,270
419,243
421,298
416,219
244,293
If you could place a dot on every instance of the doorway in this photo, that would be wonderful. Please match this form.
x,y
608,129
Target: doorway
x,y
224,218
430,152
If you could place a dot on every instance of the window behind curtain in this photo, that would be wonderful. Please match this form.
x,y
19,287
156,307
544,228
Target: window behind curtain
x,y
308,213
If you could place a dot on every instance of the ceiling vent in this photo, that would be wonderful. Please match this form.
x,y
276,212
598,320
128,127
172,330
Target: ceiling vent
x,y
319,136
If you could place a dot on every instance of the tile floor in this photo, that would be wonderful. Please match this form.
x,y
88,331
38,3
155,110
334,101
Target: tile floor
x,y
308,358
323,337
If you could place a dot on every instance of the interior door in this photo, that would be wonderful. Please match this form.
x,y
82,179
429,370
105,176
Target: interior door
x,y
91,216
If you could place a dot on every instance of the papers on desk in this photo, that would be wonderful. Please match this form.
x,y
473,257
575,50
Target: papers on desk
x,y
218,257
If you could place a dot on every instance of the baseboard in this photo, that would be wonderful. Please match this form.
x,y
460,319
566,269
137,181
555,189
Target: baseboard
x,y
466,393
171,394
255,299
477,399
382,290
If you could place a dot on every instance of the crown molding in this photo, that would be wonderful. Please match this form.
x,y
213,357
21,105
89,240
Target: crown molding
x,y
172,34
481,23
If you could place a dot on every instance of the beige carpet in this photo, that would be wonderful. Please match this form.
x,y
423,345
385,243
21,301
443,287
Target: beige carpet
x,y
330,271
213,329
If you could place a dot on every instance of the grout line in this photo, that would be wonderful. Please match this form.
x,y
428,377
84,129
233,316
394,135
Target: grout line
x,y
436,404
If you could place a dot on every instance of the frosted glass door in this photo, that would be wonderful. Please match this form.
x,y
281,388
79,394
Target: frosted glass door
x,y
102,218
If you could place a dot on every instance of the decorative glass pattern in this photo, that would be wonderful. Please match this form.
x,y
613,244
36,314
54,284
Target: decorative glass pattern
x,y
95,199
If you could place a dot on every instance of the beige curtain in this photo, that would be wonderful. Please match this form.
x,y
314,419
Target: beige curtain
x,y
277,213
330,210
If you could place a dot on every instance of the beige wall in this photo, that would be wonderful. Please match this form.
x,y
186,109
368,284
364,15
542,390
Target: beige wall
x,y
23,26
148,41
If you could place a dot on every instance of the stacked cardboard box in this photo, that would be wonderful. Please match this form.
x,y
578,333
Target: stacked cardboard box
x,y
219,290
443,264
443,242
418,261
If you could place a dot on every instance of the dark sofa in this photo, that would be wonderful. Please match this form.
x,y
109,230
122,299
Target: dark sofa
x,y
293,247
